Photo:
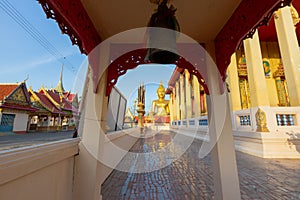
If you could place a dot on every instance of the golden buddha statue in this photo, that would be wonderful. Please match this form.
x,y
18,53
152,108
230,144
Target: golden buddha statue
x,y
160,106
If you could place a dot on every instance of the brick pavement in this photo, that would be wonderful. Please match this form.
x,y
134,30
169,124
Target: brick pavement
x,y
191,178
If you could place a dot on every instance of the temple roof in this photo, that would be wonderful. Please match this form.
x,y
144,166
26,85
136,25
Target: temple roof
x,y
15,96
7,89
58,100
70,96
175,76
45,102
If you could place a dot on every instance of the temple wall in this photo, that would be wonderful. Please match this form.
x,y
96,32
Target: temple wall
x,y
282,140
20,123
38,172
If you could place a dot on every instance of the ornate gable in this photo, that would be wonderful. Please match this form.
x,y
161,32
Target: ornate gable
x,y
19,95
17,99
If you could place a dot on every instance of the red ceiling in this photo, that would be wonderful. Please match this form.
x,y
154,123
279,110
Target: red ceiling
x,y
268,33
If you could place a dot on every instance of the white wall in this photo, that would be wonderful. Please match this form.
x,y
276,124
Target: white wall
x,y
38,172
20,123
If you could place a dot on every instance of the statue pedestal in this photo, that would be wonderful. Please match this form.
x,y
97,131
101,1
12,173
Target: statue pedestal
x,y
161,120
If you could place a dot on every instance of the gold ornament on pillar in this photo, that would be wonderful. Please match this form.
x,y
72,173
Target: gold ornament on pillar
x,y
282,93
261,121
295,16
141,105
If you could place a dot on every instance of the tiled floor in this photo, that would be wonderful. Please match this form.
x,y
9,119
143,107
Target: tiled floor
x,y
191,178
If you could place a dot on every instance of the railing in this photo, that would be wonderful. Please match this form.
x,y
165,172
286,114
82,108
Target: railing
x,y
203,122
192,122
245,120
278,119
285,119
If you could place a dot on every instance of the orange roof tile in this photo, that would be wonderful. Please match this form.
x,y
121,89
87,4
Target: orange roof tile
x,y
6,89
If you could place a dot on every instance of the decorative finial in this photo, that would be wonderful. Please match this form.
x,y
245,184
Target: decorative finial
x,y
60,88
27,77
161,87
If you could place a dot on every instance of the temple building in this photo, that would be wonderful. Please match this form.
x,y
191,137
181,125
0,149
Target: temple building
x,y
260,115
264,89
57,109
55,112
25,110
15,107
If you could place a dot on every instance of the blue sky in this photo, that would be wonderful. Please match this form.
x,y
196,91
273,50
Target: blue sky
x,y
22,56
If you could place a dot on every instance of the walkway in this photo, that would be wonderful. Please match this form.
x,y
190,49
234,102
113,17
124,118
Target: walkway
x,y
191,178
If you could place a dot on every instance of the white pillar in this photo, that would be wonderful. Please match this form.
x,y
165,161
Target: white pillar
x,y
188,95
233,82
197,105
171,107
49,121
177,89
256,76
226,182
182,97
86,164
89,171
289,51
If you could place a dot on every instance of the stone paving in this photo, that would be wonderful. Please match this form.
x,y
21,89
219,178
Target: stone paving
x,y
191,178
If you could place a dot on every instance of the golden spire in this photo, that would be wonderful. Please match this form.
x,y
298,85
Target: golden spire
x,y
59,87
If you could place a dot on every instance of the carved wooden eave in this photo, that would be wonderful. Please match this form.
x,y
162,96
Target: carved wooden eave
x,y
247,17
134,58
74,21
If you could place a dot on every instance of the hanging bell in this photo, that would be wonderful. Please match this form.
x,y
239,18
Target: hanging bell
x,y
163,25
